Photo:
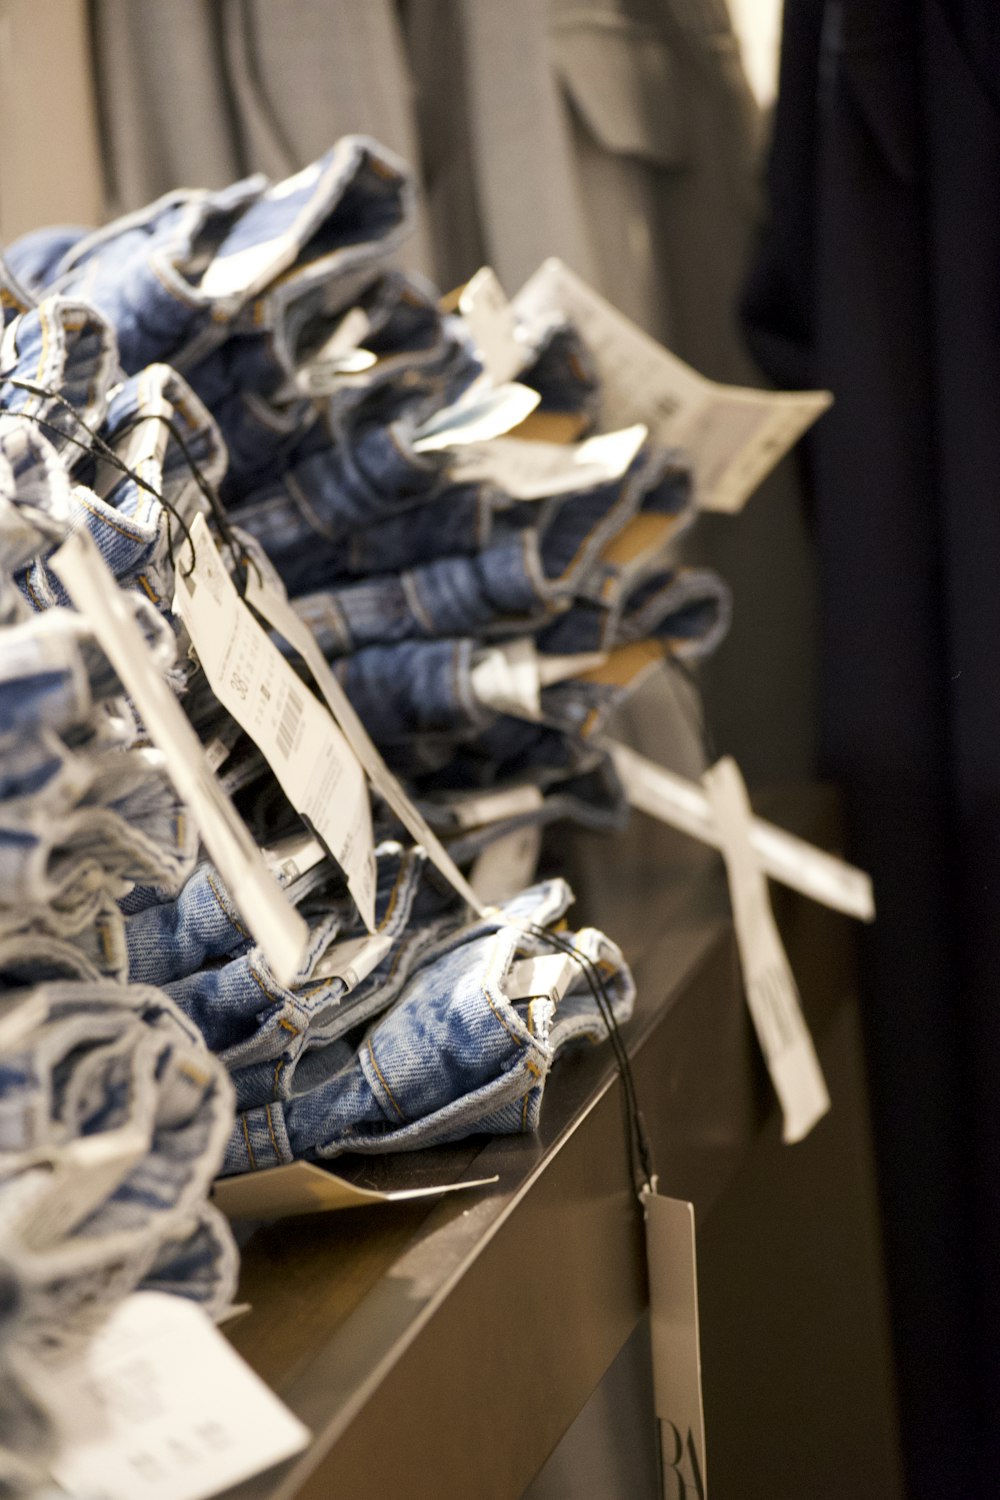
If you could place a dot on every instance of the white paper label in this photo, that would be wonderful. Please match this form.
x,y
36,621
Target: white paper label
x,y
275,924
84,1173
507,865
683,804
315,766
340,355
507,678
547,977
676,1343
510,677
735,435
159,1406
475,809
353,960
486,310
527,470
767,976
294,856
279,613
479,417
21,1018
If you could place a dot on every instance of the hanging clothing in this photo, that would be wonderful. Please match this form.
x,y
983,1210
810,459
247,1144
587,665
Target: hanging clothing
x,y
878,277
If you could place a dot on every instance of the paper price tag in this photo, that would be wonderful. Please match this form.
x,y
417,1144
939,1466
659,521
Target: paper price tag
x,y
277,927
683,804
547,977
485,308
527,470
507,678
314,764
674,1330
83,1175
475,809
279,613
478,417
510,677
294,856
734,435
354,960
158,1406
770,987
507,865
340,355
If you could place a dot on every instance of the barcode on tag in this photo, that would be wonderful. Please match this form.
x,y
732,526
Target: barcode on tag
x,y
313,762
288,725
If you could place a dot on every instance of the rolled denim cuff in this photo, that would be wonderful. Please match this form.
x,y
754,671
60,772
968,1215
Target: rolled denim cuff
x,y
35,504
15,294
66,346
148,274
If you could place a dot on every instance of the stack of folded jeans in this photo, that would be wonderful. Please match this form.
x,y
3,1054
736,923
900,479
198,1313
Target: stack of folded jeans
x,y
113,1113
252,354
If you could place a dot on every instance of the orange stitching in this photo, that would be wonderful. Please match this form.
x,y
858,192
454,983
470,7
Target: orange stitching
x,y
378,1070
270,1126
222,907
107,520
246,1137
148,587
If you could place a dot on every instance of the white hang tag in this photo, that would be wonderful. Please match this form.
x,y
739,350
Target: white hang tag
x,y
477,809
275,924
159,1406
315,766
478,418
340,355
20,1019
507,865
767,976
734,435
506,678
553,669
529,470
294,856
487,312
547,977
801,866
674,1331
510,677
217,752
279,614
84,1173
353,960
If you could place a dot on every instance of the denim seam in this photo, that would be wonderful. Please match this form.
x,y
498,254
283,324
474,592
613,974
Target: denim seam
x,y
381,1078
246,1137
224,909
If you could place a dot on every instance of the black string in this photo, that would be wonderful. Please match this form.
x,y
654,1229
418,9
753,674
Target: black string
x,y
640,1148
99,446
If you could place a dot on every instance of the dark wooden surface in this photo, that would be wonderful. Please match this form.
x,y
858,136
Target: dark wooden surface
x,y
410,1337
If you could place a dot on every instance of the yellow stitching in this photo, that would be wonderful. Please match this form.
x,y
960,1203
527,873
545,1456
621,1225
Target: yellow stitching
x,y
246,1137
378,1070
512,1034
287,1026
277,1073
148,587
395,893
107,520
274,999
222,907
270,1126
34,597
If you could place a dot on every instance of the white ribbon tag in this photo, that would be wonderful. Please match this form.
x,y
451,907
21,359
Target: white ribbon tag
x,y
275,924
734,435
770,987
314,764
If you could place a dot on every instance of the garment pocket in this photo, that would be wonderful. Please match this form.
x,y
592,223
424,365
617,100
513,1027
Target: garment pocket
x,y
624,82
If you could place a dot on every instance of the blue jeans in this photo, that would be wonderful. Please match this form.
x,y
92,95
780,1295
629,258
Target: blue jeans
x,y
456,1054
